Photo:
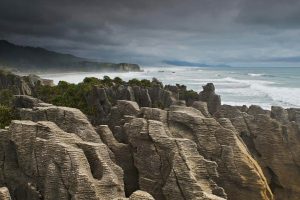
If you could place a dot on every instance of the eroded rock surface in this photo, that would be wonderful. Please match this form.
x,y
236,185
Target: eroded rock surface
x,y
43,161
273,138
55,153
181,154
21,85
4,194
208,95
204,152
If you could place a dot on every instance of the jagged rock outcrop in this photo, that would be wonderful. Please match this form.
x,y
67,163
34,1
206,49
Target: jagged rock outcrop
x,y
98,100
280,114
294,115
256,110
123,156
25,101
273,139
162,98
14,83
208,95
55,153
142,96
43,161
102,100
21,85
202,107
205,151
173,168
188,156
4,194
224,147
70,120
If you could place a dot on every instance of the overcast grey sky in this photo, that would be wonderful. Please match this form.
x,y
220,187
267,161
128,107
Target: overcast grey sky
x,y
234,32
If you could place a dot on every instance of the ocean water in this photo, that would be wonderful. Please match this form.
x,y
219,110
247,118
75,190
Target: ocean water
x,y
264,86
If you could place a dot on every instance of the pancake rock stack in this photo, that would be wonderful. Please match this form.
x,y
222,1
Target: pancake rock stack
x,y
206,151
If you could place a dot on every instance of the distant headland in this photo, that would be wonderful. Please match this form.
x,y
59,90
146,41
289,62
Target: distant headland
x,y
36,59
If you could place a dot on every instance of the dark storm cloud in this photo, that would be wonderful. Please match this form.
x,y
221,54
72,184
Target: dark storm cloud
x,y
275,13
151,31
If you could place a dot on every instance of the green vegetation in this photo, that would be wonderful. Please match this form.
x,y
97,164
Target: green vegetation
x,y
79,95
190,94
4,72
6,111
74,95
66,94
185,94
141,83
6,115
118,81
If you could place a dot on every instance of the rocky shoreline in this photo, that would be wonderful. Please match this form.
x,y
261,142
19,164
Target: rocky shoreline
x,y
147,141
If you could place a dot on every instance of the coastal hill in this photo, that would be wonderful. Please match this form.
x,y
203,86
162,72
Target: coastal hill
x,y
142,140
36,59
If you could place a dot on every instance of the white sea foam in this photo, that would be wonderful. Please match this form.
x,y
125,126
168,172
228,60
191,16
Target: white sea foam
x,y
255,75
263,89
287,97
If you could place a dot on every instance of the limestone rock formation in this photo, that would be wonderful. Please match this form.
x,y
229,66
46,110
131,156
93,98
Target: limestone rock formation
x,y
256,110
205,151
188,156
14,83
41,160
103,99
202,107
55,153
273,138
4,194
123,157
294,115
174,169
70,120
24,101
141,195
21,85
208,95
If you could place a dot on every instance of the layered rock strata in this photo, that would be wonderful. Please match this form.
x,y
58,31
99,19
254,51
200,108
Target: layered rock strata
x,y
273,138
55,153
205,151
